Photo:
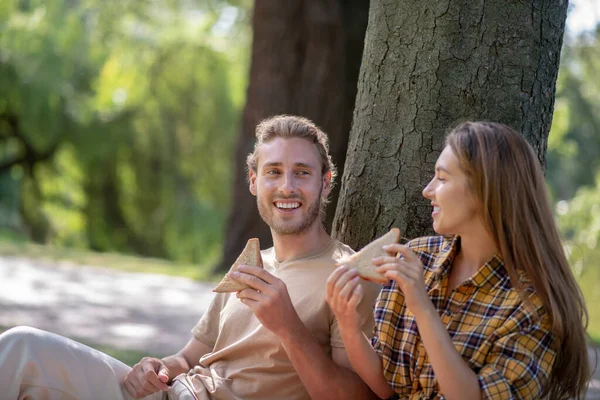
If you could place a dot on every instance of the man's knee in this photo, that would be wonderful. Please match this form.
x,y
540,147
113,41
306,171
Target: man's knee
x,y
19,337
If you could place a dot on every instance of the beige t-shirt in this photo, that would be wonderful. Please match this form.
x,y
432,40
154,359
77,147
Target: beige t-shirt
x,y
248,360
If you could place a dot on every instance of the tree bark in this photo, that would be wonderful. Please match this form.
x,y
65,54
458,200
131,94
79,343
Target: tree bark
x,y
426,66
305,61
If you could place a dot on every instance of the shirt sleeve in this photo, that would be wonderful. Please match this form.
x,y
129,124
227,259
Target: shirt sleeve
x,y
206,329
519,364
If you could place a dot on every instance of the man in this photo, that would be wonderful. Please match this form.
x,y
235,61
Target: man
x,y
277,339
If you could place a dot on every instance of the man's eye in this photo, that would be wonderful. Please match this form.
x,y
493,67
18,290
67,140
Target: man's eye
x,y
273,172
303,173
440,179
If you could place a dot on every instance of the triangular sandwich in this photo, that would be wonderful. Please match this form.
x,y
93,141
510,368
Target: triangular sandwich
x,y
362,260
249,256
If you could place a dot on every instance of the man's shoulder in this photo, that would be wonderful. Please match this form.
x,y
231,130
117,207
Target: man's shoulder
x,y
340,250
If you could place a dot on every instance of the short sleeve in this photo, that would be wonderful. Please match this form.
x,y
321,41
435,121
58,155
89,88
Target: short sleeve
x,y
365,309
206,329
519,364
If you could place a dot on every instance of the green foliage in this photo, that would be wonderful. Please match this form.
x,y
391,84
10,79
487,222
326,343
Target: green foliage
x,y
579,220
574,142
118,120
574,166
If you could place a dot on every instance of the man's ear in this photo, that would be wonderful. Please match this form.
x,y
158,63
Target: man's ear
x,y
252,180
326,184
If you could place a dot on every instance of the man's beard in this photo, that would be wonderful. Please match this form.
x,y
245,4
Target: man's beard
x,y
281,227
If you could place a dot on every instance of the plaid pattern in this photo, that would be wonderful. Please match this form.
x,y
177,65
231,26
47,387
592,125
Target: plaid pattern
x,y
504,343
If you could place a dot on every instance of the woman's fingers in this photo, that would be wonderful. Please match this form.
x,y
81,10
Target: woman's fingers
x,y
346,291
409,271
333,278
384,260
403,250
356,297
341,286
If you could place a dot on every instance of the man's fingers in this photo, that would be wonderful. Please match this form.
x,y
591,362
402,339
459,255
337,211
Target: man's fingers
x,y
150,379
130,388
163,375
251,294
260,273
250,280
253,304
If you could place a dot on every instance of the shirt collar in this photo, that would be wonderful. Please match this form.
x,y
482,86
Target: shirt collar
x,y
444,259
489,274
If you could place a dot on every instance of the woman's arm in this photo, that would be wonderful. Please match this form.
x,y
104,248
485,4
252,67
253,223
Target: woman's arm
x,y
343,295
456,379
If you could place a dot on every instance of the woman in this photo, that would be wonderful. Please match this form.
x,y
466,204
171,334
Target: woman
x,y
490,309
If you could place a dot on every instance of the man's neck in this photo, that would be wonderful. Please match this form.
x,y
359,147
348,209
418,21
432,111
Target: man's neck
x,y
288,247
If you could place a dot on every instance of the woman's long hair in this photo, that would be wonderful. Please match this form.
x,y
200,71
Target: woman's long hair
x,y
506,176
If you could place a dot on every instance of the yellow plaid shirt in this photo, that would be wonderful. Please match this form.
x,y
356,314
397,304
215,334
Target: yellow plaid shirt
x,y
506,344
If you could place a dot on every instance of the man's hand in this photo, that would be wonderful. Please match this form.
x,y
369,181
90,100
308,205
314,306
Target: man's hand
x,y
269,299
148,376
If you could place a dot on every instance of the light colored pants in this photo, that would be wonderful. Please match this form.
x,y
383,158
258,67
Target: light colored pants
x,y
39,365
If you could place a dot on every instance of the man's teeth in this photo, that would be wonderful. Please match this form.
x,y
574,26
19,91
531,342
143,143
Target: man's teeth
x,y
436,209
287,205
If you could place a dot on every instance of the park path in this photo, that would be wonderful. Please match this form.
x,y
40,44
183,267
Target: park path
x,y
145,312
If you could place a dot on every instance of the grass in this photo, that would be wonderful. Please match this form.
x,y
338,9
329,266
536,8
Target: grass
x,y
107,260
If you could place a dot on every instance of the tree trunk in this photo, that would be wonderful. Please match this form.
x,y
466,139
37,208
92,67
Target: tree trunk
x,y
426,66
305,61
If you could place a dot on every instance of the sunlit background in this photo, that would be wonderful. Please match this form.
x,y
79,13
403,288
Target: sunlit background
x,y
134,108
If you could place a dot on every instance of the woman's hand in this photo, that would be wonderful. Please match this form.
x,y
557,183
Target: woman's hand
x,y
407,272
344,293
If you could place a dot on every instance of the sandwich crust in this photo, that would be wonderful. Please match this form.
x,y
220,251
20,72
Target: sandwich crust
x,y
249,256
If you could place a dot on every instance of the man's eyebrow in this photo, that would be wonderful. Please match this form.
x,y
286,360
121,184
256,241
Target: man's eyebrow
x,y
273,164
279,164
304,165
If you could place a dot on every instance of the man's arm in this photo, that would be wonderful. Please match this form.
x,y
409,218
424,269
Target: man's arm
x,y
151,374
322,376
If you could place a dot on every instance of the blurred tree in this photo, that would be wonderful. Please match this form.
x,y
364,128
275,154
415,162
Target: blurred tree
x,y
425,67
117,119
574,142
305,61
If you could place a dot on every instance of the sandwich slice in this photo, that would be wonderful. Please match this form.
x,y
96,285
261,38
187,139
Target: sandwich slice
x,y
249,256
362,261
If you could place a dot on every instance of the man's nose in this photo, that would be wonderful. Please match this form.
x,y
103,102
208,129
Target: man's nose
x,y
288,184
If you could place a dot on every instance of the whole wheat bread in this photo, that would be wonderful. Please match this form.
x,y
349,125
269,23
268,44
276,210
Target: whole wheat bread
x,y
249,256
